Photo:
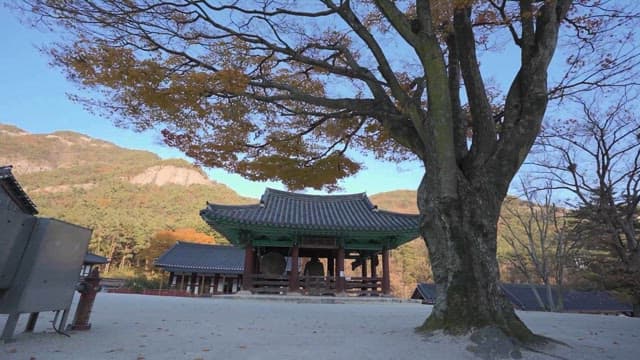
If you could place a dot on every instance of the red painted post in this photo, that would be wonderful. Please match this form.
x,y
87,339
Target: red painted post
x,y
340,281
294,285
386,284
248,268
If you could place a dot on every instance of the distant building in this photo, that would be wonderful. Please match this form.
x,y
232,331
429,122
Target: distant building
x,y
91,260
203,269
523,298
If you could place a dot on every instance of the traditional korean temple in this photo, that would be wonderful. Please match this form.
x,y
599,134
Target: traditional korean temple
x,y
325,230
202,269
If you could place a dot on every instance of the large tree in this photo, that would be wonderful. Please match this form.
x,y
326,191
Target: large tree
x,y
281,90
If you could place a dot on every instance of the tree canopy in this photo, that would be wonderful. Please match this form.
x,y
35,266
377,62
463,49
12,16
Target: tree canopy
x,y
287,87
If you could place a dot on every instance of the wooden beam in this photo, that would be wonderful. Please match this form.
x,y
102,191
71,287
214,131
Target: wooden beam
x,y
386,284
249,265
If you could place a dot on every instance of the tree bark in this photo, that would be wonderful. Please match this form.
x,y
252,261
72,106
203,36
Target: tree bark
x,y
461,235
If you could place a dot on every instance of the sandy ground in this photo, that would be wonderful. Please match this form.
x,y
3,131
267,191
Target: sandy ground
x,y
148,327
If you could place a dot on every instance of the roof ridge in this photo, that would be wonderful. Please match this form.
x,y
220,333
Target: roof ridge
x,y
397,213
313,196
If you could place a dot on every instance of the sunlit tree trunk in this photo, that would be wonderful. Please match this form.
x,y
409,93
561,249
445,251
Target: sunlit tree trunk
x,y
461,237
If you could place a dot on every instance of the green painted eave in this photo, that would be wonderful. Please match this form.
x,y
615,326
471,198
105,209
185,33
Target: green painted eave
x,y
281,236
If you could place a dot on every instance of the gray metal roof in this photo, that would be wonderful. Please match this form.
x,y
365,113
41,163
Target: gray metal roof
x,y
13,188
523,298
330,212
184,256
92,259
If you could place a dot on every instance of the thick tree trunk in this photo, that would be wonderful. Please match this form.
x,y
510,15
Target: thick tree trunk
x,y
461,237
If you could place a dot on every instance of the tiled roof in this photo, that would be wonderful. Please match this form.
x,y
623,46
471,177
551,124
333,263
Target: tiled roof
x,y
11,185
426,292
594,301
92,259
184,256
523,298
320,212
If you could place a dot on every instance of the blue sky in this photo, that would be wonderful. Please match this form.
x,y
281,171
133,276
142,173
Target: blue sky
x,y
33,97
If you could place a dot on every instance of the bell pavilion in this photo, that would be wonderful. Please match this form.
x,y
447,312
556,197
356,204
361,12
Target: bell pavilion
x,y
286,229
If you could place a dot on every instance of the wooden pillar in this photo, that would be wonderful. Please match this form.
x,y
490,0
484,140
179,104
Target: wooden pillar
x,y
331,266
294,285
386,284
374,266
194,283
249,265
181,282
340,281
216,281
172,280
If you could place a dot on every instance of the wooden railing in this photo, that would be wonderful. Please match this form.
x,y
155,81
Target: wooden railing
x,y
269,284
315,285
363,286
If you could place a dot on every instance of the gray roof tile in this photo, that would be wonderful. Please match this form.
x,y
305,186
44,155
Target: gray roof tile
x,y
331,212
184,256
523,298
92,259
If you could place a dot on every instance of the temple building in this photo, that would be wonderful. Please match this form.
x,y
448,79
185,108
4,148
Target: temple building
x,y
202,269
286,229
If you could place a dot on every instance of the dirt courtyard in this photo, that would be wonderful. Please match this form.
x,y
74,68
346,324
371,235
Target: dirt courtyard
x,y
141,327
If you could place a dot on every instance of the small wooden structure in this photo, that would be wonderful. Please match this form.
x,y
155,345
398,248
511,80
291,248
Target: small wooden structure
x,y
91,261
202,269
332,228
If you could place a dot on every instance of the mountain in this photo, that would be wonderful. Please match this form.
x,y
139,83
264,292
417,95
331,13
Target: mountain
x,y
127,196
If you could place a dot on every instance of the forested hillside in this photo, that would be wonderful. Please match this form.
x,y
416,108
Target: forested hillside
x,y
127,196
